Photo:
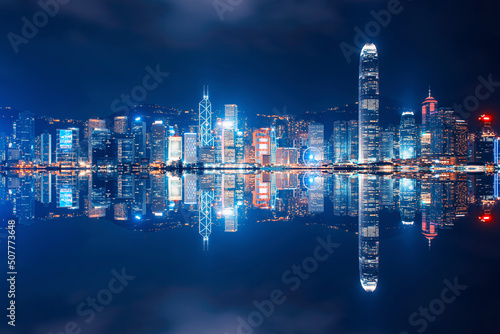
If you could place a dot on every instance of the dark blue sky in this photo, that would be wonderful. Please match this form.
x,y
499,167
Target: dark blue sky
x,y
264,54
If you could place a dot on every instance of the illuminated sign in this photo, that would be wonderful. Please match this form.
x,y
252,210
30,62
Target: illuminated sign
x,y
66,140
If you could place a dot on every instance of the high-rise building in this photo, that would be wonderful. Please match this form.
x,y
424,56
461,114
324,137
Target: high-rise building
x,y
205,110
485,138
407,136
231,116
341,143
125,146
46,148
190,156
120,124
353,141
316,138
369,100
67,146
429,108
24,136
387,144
158,147
174,148
139,133
262,144
90,126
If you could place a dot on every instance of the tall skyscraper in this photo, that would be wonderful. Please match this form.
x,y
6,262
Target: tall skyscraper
x,y
139,133
46,148
90,126
158,147
387,144
262,145
190,148
67,145
369,99
174,148
341,153
429,108
353,141
407,136
24,136
316,138
120,124
205,110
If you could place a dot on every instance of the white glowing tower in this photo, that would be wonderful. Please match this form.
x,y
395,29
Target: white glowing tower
x,y
205,110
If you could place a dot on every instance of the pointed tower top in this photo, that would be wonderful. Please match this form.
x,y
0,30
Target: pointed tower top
x,y
430,91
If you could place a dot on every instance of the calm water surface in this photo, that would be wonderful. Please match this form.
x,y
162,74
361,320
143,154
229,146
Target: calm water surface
x,y
293,253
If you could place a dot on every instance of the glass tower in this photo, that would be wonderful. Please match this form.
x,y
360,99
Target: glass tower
x,y
369,150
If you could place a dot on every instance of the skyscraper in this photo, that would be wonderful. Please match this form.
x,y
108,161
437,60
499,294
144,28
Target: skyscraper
x,y
90,126
174,148
429,108
67,145
407,136
387,144
24,136
158,142
316,138
121,124
139,133
46,148
340,152
190,148
205,110
353,140
369,146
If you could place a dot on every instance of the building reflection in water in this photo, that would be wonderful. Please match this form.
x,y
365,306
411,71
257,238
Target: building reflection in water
x,y
224,202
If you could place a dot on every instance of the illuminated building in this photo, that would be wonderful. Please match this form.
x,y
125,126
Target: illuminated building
x,y
67,146
46,148
262,144
90,126
190,156
46,188
206,140
262,192
387,192
429,107
139,133
120,124
24,136
340,194
125,144
368,232
387,145
190,189
407,136
174,188
316,138
67,191
174,148
158,194
158,146
485,141
287,156
341,153
352,141
369,137
353,196
249,154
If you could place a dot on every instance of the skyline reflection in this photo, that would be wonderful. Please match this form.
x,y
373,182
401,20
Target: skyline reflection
x,y
425,203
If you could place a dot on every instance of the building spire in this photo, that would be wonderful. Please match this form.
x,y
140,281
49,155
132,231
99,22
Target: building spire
x,y
430,91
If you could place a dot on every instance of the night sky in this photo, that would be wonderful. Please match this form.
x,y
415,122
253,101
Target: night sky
x,y
265,54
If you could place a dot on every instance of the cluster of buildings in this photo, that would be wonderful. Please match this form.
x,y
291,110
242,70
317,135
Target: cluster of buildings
x,y
223,138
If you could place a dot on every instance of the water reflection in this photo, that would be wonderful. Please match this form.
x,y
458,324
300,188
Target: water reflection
x,y
155,202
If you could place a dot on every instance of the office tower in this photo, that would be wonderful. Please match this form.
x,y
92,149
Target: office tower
x,y
369,137
125,145
46,188
46,148
158,146
429,108
205,111
341,143
387,192
262,192
287,156
174,148
174,188
407,201
67,191
231,116
3,146
90,126
441,125
249,154
262,145
387,144
353,141
139,133
205,215
190,189
67,146
190,147
407,136
340,192
461,133
97,141
316,195
24,136
368,231
120,124
485,138
239,143
316,138
158,194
